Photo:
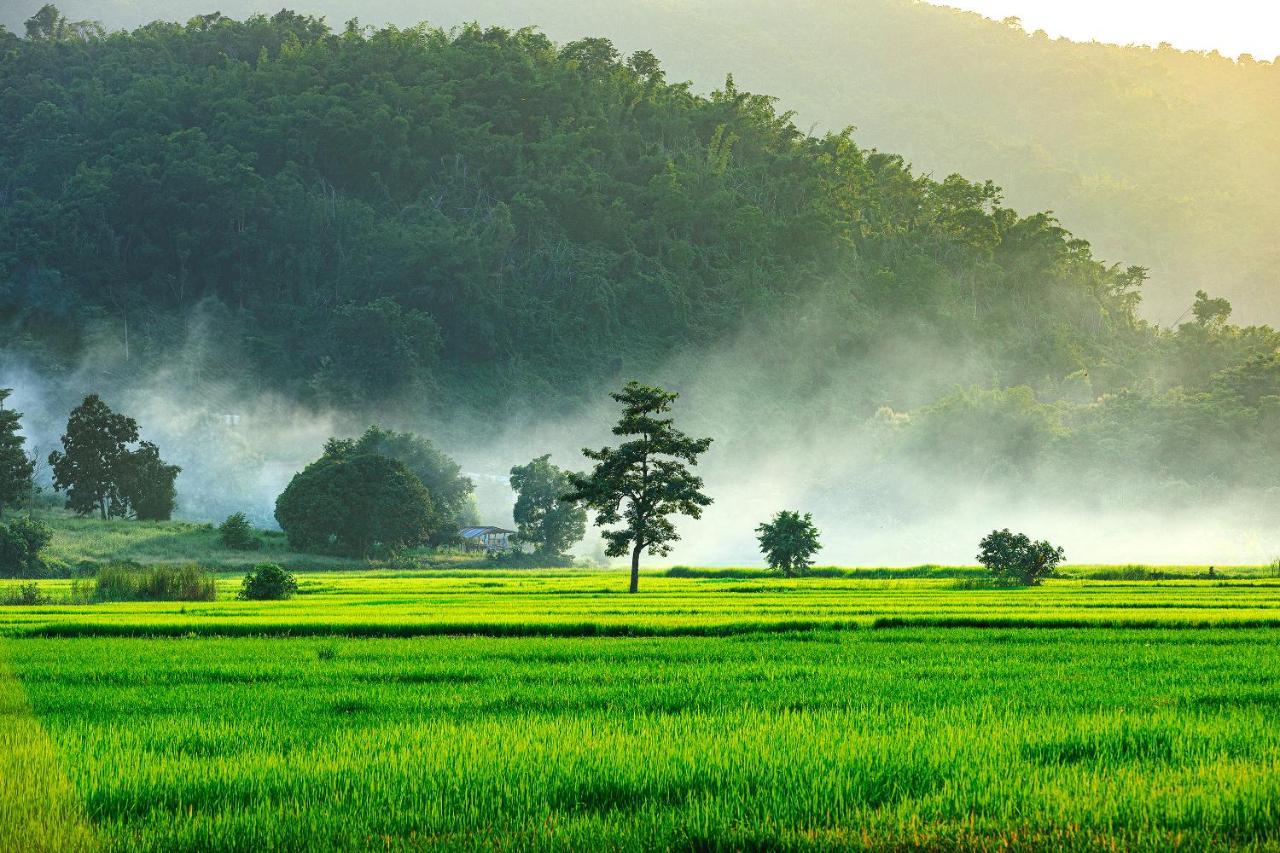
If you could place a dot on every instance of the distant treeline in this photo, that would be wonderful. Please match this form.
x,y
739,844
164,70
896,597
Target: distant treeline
x,y
484,219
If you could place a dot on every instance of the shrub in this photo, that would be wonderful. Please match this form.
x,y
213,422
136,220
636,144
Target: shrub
x,y
21,542
1013,558
25,595
521,560
131,582
268,582
236,533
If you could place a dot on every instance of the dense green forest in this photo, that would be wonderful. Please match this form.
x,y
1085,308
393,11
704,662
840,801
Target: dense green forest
x,y
1162,157
484,221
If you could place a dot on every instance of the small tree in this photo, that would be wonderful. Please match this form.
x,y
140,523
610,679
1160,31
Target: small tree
x,y
88,465
21,542
146,484
16,468
1014,558
550,524
649,474
357,504
267,582
236,533
788,542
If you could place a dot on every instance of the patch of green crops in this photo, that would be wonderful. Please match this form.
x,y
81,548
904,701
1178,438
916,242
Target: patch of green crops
x,y
596,604
936,738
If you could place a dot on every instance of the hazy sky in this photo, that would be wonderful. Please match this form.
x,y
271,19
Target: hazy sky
x,y
1230,26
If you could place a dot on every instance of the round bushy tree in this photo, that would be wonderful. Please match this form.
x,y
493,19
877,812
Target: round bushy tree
x,y
789,542
356,504
451,492
1013,558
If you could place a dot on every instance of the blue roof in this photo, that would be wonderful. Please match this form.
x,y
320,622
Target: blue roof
x,y
473,532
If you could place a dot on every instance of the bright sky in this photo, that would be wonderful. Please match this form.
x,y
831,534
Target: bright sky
x,y
1231,27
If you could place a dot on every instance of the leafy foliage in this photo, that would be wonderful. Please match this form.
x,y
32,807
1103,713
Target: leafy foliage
x,y
644,481
236,533
99,471
451,493
93,450
16,468
543,518
1014,558
21,542
268,582
355,503
789,542
147,483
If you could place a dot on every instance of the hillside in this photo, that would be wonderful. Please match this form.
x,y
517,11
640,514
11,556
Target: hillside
x,y
1164,158
358,216
474,234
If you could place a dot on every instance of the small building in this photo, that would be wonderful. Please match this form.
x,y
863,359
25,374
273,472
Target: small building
x,y
486,538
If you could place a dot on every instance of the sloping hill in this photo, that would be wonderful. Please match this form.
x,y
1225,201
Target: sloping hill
x,y
1163,158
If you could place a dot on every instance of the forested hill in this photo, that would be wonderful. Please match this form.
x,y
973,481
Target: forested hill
x,y
1163,158
366,214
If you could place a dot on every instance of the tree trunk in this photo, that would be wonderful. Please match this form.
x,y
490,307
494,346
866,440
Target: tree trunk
x,y
102,508
635,567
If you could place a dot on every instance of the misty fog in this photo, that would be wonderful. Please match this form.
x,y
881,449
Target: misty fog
x,y
833,455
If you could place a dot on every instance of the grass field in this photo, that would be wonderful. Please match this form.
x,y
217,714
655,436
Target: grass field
x,y
717,709
942,738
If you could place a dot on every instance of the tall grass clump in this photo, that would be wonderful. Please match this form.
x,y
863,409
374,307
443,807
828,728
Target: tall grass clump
x,y
131,582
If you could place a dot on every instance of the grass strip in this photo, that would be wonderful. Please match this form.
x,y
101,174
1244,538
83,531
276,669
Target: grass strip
x,y
889,622
427,629
39,808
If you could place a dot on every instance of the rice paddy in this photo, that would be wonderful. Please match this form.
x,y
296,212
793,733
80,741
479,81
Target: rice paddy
x,y
721,710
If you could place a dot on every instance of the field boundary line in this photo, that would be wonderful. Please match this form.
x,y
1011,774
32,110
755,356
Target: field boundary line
x,y
39,807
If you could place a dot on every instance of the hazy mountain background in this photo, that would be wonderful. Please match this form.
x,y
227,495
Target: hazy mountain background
x,y
1162,158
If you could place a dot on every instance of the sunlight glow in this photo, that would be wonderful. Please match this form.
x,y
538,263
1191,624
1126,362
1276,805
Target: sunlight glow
x,y
1231,27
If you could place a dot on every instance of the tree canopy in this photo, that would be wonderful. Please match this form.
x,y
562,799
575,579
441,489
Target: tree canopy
x,y
543,519
397,212
788,541
356,503
100,471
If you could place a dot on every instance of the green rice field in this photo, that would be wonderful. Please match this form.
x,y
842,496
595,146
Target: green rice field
x,y
715,710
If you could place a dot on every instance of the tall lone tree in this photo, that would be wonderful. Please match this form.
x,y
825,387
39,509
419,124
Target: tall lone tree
x,y
642,482
550,524
93,451
16,468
